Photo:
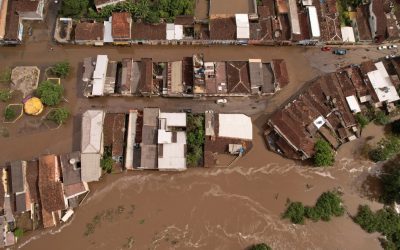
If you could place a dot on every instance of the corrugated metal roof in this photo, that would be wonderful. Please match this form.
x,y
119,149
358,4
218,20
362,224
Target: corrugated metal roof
x,y
92,131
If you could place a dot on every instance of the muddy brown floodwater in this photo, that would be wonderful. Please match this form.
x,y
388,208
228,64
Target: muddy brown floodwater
x,y
218,208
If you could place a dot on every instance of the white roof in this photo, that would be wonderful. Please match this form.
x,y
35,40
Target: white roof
x,y
319,122
99,75
92,131
130,140
307,2
353,104
313,18
174,119
242,26
348,34
382,84
294,17
90,167
178,32
237,126
173,157
108,31
164,137
170,31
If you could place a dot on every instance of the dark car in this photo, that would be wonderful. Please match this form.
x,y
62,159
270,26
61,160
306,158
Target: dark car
x,y
186,110
340,52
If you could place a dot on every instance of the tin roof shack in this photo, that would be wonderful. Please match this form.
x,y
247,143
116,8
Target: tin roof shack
x,y
225,8
121,28
103,3
348,34
18,11
91,145
132,150
382,85
172,141
149,154
51,190
89,33
363,30
19,189
238,78
223,130
377,20
146,86
74,188
25,79
114,138
321,110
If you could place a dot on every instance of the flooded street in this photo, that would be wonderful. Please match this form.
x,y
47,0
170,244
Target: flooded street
x,y
217,208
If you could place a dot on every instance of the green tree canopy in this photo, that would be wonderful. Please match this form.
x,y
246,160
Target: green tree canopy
x,y
5,95
386,149
59,116
74,8
390,180
260,246
324,155
396,127
9,114
295,212
362,120
381,118
50,93
61,69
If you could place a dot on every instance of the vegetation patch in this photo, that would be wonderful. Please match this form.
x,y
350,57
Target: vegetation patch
x,y
12,112
395,126
385,149
381,118
344,6
106,162
362,120
195,139
329,204
18,232
260,246
61,69
49,93
324,155
5,75
5,95
385,221
390,181
59,116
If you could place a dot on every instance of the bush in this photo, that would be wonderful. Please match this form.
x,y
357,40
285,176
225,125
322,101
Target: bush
x,y
50,93
390,180
324,155
386,149
366,219
396,127
106,163
195,139
18,232
74,8
59,116
61,69
381,118
5,95
260,246
362,120
10,114
295,212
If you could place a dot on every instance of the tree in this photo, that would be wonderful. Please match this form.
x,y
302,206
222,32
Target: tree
x,y
260,246
5,95
61,69
362,120
74,8
59,116
329,204
324,155
50,93
386,149
9,114
18,232
142,9
366,219
396,127
295,212
381,118
390,180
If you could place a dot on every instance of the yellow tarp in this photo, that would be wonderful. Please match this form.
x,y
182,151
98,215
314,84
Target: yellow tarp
x,y
33,106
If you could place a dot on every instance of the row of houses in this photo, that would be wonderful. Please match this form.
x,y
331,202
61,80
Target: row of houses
x,y
150,139
190,77
326,108
45,190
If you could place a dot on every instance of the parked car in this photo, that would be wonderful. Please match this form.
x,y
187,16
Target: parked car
x,y
221,101
326,48
382,47
340,52
186,110
393,46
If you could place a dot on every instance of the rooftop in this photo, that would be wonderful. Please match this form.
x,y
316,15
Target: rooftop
x,y
236,126
121,25
223,29
238,78
70,166
89,31
144,31
223,8
92,131
17,176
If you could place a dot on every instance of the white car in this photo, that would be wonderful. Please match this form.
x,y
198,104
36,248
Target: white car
x,y
393,46
382,47
221,101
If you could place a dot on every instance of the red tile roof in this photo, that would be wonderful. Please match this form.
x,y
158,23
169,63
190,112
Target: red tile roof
x,y
121,25
280,72
89,31
223,29
144,31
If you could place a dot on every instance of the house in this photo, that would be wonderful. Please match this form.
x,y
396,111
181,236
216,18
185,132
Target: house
x,y
121,27
315,32
225,8
51,190
103,3
242,27
73,186
3,16
377,20
32,180
363,30
17,170
114,138
18,11
294,18
132,158
149,155
146,87
172,141
238,78
174,79
256,75
91,145
99,75
89,33
222,29
174,31
143,32
281,74
235,126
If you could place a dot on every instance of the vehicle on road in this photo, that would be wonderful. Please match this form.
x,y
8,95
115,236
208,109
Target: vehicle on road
x,y
393,46
340,52
325,49
221,101
382,47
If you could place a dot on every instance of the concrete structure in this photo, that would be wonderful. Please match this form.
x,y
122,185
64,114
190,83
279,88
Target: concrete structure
x,y
174,32
236,126
294,17
314,23
92,145
242,26
382,84
99,75
353,104
130,140
348,34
